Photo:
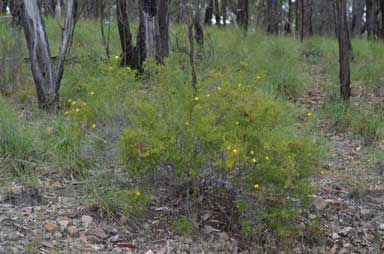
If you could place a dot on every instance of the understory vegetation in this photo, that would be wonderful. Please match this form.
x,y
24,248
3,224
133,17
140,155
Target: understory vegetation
x,y
240,141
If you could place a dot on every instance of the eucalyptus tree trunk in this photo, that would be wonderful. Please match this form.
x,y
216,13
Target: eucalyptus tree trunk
x,y
58,9
372,19
163,20
128,57
199,34
273,16
153,35
217,13
288,26
47,77
357,16
344,49
3,6
224,4
208,13
381,5
242,14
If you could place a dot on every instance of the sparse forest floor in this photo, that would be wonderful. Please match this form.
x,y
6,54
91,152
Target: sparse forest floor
x,y
62,208
347,214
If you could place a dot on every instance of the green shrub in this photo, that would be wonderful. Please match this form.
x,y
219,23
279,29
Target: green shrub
x,y
183,226
231,127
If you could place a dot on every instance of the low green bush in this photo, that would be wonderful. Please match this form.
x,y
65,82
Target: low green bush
x,y
231,127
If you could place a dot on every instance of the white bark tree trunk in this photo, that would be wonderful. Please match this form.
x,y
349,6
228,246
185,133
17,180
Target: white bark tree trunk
x,y
58,9
47,78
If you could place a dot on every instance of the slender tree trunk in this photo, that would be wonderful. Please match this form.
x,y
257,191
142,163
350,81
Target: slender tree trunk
x,y
302,20
308,7
47,78
273,16
58,9
192,58
371,17
357,16
128,57
163,19
288,27
297,15
242,14
217,12
199,34
3,6
344,49
382,18
224,5
208,13
92,10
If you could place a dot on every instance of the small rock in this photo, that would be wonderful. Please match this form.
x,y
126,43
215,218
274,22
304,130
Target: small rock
x,y
73,231
12,236
345,231
319,203
117,251
187,240
48,237
27,211
96,246
64,224
50,227
95,230
93,239
150,252
335,236
223,237
58,235
366,214
381,226
146,226
208,229
85,219
114,239
83,238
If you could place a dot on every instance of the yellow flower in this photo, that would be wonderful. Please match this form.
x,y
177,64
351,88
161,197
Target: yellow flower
x,y
237,123
322,172
258,77
229,147
137,193
267,158
187,123
235,151
256,186
196,98
219,88
252,152
254,160
66,113
117,57
208,95
239,85
77,110
73,103
93,126
70,100
92,93
309,114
